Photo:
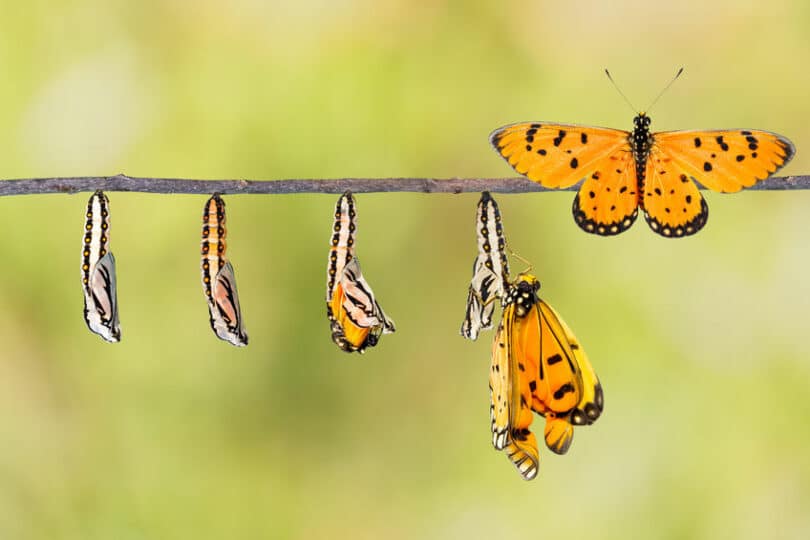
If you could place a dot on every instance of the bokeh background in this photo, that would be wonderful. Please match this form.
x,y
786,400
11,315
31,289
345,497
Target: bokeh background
x,y
701,343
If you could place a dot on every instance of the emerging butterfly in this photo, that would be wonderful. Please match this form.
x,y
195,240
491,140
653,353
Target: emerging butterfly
x,y
490,269
98,271
538,366
355,316
218,280
624,171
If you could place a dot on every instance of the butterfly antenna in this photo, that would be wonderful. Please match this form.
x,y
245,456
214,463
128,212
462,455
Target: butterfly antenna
x,y
518,257
616,86
675,78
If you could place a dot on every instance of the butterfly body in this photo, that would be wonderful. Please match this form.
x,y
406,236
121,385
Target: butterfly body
x,y
623,172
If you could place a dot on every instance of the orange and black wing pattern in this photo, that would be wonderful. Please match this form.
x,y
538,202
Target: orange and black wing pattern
x,y
510,401
725,161
538,366
623,171
557,155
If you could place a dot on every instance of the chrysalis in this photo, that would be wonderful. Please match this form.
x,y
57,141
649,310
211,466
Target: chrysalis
x,y
98,271
490,269
355,317
218,279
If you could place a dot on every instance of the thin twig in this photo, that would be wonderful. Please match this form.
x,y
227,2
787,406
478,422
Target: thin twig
x,y
122,182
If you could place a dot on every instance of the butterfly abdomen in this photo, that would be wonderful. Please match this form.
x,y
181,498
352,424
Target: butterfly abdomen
x,y
213,241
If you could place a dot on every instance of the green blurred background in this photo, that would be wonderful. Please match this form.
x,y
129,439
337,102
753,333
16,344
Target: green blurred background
x,y
701,343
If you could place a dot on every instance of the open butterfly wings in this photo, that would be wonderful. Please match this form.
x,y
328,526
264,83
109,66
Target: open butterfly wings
x,y
355,317
98,271
490,269
538,365
607,203
219,282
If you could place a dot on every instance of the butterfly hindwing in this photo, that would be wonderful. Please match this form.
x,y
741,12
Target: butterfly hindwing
x,y
500,382
607,201
557,155
522,452
673,205
559,433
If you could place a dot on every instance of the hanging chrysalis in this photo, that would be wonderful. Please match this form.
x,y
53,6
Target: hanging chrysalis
x,y
98,271
490,269
218,279
355,317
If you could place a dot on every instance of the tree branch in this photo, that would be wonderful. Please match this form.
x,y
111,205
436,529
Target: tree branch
x,y
122,182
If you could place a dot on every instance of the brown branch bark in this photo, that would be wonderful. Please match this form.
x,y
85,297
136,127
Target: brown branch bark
x,y
122,182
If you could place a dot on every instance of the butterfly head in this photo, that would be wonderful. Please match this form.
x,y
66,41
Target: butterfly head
x,y
641,121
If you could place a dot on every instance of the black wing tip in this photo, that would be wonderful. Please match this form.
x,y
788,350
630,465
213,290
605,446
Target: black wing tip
x,y
496,134
495,137
789,149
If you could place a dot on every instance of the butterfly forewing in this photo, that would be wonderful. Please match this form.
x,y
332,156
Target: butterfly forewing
x,y
591,401
557,155
98,271
510,396
724,160
558,433
218,280
559,386
490,269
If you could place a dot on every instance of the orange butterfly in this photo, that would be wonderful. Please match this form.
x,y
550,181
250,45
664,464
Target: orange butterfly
x,y
624,171
538,366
